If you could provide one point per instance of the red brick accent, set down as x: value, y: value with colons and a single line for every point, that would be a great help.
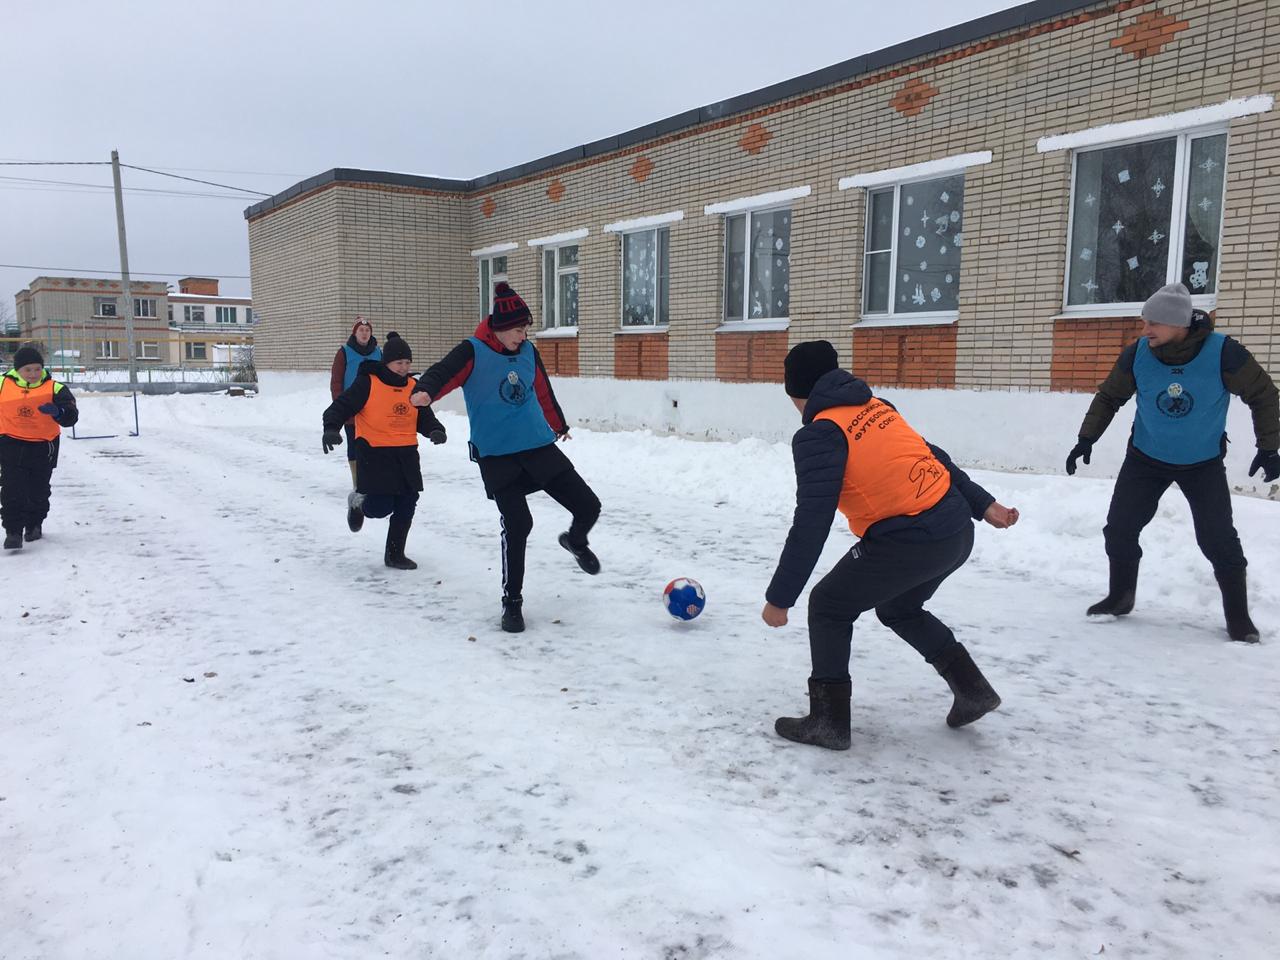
x: 559, y: 355
x: 489, y: 207
x: 923, y: 357
x: 200, y: 286
x: 755, y: 138
x: 1084, y: 351
x: 913, y: 97
x: 1062, y: 23
x: 751, y: 357
x: 641, y: 169
x: 555, y: 190
x: 1149, y: 34
x: 640, y: 356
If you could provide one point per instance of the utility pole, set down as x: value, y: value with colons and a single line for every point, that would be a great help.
x: 124, y: 273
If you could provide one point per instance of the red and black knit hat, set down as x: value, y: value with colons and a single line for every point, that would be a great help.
x: 361, y: 322
x: 509, y: 309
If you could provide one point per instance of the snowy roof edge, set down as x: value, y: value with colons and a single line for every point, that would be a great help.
x: 960, y: 34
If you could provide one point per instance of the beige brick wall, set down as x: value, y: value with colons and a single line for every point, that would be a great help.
x: 1001, y: 95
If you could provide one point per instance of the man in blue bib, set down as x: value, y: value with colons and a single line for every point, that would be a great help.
x: 1183, y: 374
x: 515, y: 423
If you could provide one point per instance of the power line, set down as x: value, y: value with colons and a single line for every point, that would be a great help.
x: 55, y: 163
x: 207, y: 183
x: 104, y: 186
x: 154, y: 273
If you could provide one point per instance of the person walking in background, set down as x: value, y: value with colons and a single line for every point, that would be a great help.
x: 386, y: 427
x: 33, y: 410
x: 913, y: 510
x: 515, y: 423
x: 361, y: 345
x: 1183, y: 374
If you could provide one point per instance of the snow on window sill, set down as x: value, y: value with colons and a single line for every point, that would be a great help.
x: 907, y: 320
x: 557, y: 332
x: 662, y: 329
x: 752, y: 326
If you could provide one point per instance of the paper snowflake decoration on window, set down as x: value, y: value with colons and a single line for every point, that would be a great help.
x: 1133, y: 263
x: 924, y: 220
x: 1206, y: 204
x: 1156, y: 236
x: 1090, y: 286
x: 1123, y: 176
x: 935, y: 294
x: 924, y: 264
x: 1158, y: 187
x: 1091, y: 199
x: 1086, y: 254
x: 946, y: 197
x: 1117, y: 227
x: 919, y: 243
x: 1208, y: 165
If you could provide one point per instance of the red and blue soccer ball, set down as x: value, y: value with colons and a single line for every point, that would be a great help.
x: 684, y: 598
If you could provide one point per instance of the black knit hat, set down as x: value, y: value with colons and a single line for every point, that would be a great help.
x: 805, y: 364
x: 27, y: 355
x: 395, y: 348
x: 509, y: 310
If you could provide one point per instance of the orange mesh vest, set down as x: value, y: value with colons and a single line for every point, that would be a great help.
x: 388, y: 419
x: 20, y: 416
x: 890, y: 471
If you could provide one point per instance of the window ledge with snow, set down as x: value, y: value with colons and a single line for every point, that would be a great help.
x: 1156, y: 126
x: 907, y: 320
x: 494, y: 249
x: 752, y: 326
x: 644, y: 223
x: 916, y: 171
x: 640, y: 328
x: 556, y: 332
x: 558, y: 238
x: 757, y: 202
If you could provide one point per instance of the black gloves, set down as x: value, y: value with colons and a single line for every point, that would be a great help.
x: 331, y: 439
x: 1080, y: 451
x: 437, y: 436
x: 1268, y: 461
x: 52, y: 409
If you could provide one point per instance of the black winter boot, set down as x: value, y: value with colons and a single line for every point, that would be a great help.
x: 34, y: 532
x: 512, y: 617
x: 394, y: 556
x: 827, y: 724
x: 1235, y: 605
x: 974, y: 697
x: 1119, y: 599
x: 355, y: 511
x: 13, y: 539
x: 586, y: 559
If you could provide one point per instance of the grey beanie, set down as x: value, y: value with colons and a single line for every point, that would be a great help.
x: 1169, y: 305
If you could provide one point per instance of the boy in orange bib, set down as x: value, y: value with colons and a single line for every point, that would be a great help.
x: 913, y: 510
x: 33, y: 410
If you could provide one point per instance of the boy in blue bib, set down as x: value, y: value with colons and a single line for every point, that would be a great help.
x: 1183, y: 375
x: 515, y: 423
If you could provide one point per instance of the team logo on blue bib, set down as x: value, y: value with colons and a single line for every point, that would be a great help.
x: 1174, y: 401
x: 513, y: 390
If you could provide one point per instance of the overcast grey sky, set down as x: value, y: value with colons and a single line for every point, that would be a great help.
x: 263, y: 94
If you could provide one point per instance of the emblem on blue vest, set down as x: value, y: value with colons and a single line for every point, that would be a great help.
x: 512, y: 389
x: 1174, y: 401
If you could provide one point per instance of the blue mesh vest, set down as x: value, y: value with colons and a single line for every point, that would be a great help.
x: 353, y: 363
x: 501, y: 404
x: 1182, y: 410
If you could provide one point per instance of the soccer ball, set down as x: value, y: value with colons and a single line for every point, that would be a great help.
x: 684, y: 598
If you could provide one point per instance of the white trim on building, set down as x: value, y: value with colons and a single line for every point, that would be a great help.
x: 916, y: 171
x: 1157, y: 126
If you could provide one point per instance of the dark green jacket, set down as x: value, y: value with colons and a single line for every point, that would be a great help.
x: 1241, y: 375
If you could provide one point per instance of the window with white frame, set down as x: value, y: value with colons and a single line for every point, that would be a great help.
x: 560, y: 286
x: 108, y: 350
x: 1146, y: 214
x: 493, y: 270
x: 757, y: 264
x: 148, y: 350
x: 193, y: 313
x: 224, y: 314
x: 104, y: 306
x: 196, y: 351
x: 913, y: 238
x: 144, y: 306
x: 646, y: 277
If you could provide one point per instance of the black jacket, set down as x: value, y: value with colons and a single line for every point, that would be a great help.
x: 821, y: 454
x: 387, y: 470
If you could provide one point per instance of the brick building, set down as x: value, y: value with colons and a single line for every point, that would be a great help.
x: 984, y: 207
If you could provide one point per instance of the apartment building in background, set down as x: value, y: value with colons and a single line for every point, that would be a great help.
x: 984, y: 207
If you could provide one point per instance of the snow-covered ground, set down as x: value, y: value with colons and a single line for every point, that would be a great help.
x: 227, y: 731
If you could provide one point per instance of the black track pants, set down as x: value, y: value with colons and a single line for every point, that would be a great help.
x: 894, y: 579
x: 1136, y: 497
x: 567, y: 489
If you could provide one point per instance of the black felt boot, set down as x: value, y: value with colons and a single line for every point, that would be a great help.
x: 13, y: 539
x: 1119, y: 599
x: 34, y: 532
x: 1235, y: 605
x: 355, y: 511
x: 974, y: 697
x: 512, y: 616
x: 394, y: 556
x: 827, y: 724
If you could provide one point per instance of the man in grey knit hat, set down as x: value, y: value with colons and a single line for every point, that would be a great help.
x: 1183, y: 374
